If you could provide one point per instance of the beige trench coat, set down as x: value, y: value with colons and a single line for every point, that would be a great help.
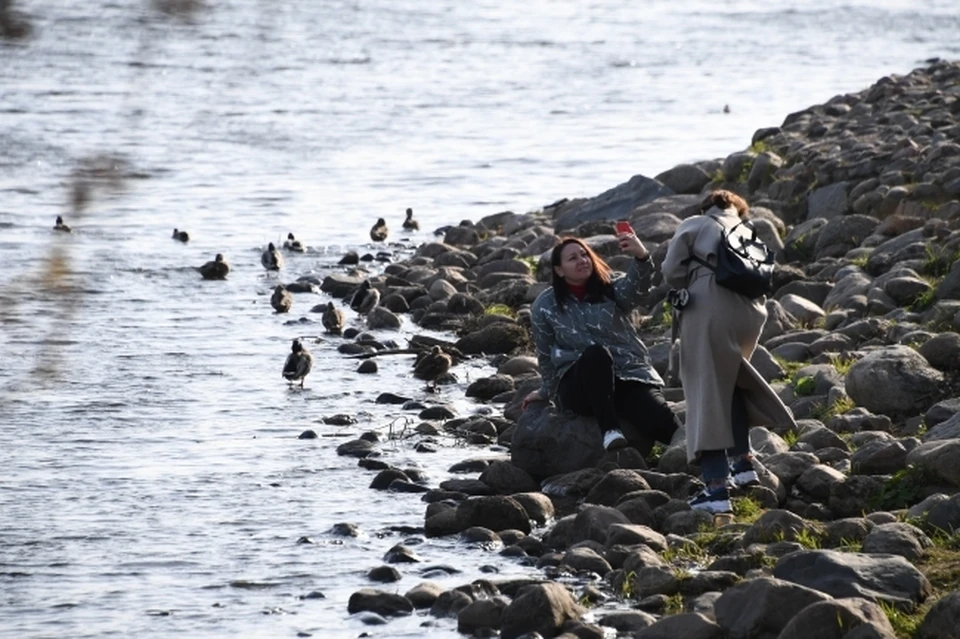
x: 719, y: 331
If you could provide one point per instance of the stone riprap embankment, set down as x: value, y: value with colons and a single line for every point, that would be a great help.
x: 854, y: 525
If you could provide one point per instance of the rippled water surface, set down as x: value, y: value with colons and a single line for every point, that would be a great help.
x: 151, y: 479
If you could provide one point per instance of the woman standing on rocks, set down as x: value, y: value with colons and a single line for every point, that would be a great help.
x: 591, y: 359
x: 719, y: 331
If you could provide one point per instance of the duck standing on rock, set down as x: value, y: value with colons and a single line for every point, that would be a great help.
x: 282, y: 299
x: 60, y: 226
x: 379, y: 231
x: 410, y: 224
x: 334, y: 320
x: 181, y: 236
x: 298, y: 364
x: 271, y: 259
x: 356, y: 298
x: 215, y: 270
x: 293, y: 244
x: 432, y: 365
x: 369, y: 302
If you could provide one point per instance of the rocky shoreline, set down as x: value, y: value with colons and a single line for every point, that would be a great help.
x: 852, y: 533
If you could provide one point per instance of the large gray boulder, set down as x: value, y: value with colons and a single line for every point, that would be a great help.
x: 841, y: 234
x: 496, y: 513
x: 614, y: 204
x: 942, y: 351
x: 690, y: 625
x: 760, y: 608
x: 542, y: 608
x: 845, y: 290
x: 887, y: 578
x: 501, y: 337
x: 942, y: 457
x: 943, y: 619
x: 829, y: 201
x: 684, y: 178
x: 549, y: 442
x: 893, y: 380
x: 949, y: 288
x: 840, y: 619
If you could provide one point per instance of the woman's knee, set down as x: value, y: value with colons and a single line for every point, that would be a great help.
x: 596, y: 356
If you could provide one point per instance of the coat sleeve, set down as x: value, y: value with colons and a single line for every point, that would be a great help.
x: 630, y: 289
x: 543, y: 339
x: 681, y: 247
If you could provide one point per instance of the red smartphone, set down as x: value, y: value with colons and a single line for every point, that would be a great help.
x: 624, y: 227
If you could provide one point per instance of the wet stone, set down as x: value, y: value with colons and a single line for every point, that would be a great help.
x: 384, y: 574
x: 437, y: 412
x: 308, y: 434
x: 391, y: 398
x: 339, y: 419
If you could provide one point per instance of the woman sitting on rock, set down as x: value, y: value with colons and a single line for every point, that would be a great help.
x: 591, y: 359
x: 719, y: 331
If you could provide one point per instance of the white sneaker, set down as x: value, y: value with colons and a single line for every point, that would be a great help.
x: 614, y: 439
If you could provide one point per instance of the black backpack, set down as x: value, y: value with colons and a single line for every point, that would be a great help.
x: 744, y: 263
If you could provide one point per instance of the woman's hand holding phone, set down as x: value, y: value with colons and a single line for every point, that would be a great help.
x: 629, y: 243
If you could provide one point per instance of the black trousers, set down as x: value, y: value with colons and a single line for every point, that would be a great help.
x: 591, y: 388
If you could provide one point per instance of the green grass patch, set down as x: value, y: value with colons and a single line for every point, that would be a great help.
x: 499, y: 309
x: 674, y: 605
x: 655, y: 454
x: 662, y: 317
x: 850, y: 545
x: 824, y: 412
x: 925, y: 300
x: 758, y: 147
x: 532, y: 261
x: 790, y: 437
x: 808, y: 539
x: 903, y: 489
x: 842, y: 364
x: 860, y: 261
x: 690, y: 553
x: 941, y: 566
x: 905, y: 624
x: 939, y: 261
x: 804, y: 386
x: 789, y: 368
x: 746, y: 510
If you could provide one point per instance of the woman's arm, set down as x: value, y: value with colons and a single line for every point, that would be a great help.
x: 628, y: 291
x: 543, y: 339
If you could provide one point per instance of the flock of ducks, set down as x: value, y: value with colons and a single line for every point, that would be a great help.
x: 429, y: 366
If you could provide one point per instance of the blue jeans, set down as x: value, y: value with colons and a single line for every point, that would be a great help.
x: 714, y: 466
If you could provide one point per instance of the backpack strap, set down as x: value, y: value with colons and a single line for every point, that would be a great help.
x: 694, y: 258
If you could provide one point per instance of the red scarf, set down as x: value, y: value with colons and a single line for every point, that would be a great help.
x: 578, y: 291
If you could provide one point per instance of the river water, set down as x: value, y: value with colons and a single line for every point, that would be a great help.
x: 151, y: 479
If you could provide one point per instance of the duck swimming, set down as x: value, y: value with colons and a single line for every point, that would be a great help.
x: 298, y: 364
x: 271, y: 259
x: 282, y: 299
x: 181, y: 236
x: 379, y: 231
x: 411, y: 224
x: 293, y: 244
x: 60, y: 226
x: 215, y: 270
